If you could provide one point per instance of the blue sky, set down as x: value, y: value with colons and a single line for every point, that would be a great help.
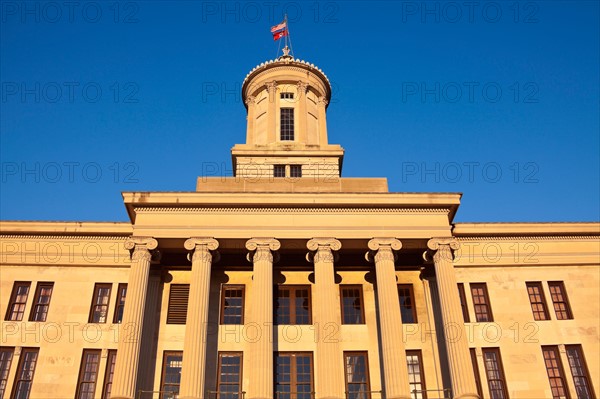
x: 498, y: 100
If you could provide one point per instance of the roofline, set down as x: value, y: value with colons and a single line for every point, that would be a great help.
x: 66, y: 228
x: 526, y: 229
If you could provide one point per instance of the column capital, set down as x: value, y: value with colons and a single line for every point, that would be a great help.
x: 194, y: 243
x: 271, y: 86
x: 250, y: 100
x: 318, y: 243
x: 134, y: 242
x: 378, y: 243
x: 302, y: 87
x: 435, y: 243
x: 323, y: 102
x: 258, y: 243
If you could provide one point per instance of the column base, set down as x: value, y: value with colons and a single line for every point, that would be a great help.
x: 120, y: 397
x: 468, y: 396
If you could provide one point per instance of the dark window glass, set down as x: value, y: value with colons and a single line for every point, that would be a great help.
x: 178, y: 303
x: 356, y: 366
x: 556, y: 375
x: 416, y: 377
x: 88, y: 374
x: 407, y: 303
x: 481, y: 302
x: 579, y: 370
x: 560, y: 301
x: 287, y: 124
x: 232, y: 304
x: 352, y: 304
x: 6, y: 355
x: 25, y: 372
x: 292, y: 304
x: 100, y: 301
x: 18, y: 300
x: 476, y: 372
x: 295, y: 170
x: 495, y: 373
x: 109, y: 373
x: 229, y: 381
x: 171, y: 374
x: 293, y: 376
x: 120, y: 307
x: 463, y: 302
x: 537, y: 300
x: 41, y: 302
x: 278, y: 170
x: 287, y: 96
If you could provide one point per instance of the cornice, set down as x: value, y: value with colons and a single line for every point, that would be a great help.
x: 62, y: 237
x: 436, y: 211
x: 528, y: 238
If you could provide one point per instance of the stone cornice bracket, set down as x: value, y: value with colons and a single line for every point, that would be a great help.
x: 142, y: 247
x: 271, y: 86
x: 250, y: 100
x: 262, y: 246
x: 443, y: 246
x: 322, y: 247
x: 203, y: 247
x: 323, y: 101
x: 302, y: 87
x: 383, y: 247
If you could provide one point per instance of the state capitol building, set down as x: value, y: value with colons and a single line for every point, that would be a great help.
x: 289, y: 281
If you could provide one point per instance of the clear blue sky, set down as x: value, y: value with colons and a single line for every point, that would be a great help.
x: 497, y: 100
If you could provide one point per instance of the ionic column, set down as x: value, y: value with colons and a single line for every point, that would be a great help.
x: 261, y: 349
x: 250, y: 120
x: 272, y: 112
x: 459, y: 358
x: 194, y: 344
x: 321, y: 106
x: 329, y: 371
x: 128, y: 350
x: 302, y: 113
x: 395, y: 370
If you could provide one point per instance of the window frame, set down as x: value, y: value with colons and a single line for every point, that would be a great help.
x: 36, y: 300
x: 20, y: 370
x: 565, y: 300
x: 13, y: 300
x: 120, y: 303
x: 361, y: 299
x: 294, y: 168
x: 487, y: 303
x: 225, y: 287
x: 559, y: 369
x: 584, y: 368
x: 288, y: 133
x: 5, y: 366
x: 109, y: 371
x: 286, y: 95
x: 411, y: 296
x: 83, y: 371
x: 240, y: 376
x: 500, y: 366
x: 462, y: 296
x: 163, y: 372
x: 95, y: 294
x: 418, y: 353
x: 292, y: 288
x: 277, y: 168
x: 294, y: 373
x: 365, y: 354
x: 542, y: 301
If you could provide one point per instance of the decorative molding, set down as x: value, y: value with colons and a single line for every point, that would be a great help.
x: 376, y: 243
x: 321, y: 243
x: 259, y: 243
x: 63, y: 237
x: 439, y: 242
x: 528, y: 238
x: 193, y: 244
x: 323, y: 100
x: 250, y: 100
x: 271, y: 86
x: 302, y: 87
x: 440, y: 211
x: 135, y: 242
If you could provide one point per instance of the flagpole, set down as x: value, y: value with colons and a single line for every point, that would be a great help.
x: 287, y: 26
x: 290, y: 36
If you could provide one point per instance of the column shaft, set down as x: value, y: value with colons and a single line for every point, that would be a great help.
x: 322, y: 122
x: 302, y: 113
x: 272, y: 112
x: 459, y: 359
x: 250, y: 120
x: 194, y: 345
x: 130, y: 333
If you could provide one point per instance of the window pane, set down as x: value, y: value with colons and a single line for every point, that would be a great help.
x: 18, y: 300
x: 555, y: 372
x: 481, y: 304
x: 579, y: 371
x: 278, y: 170
x: 559, y: 299
x: 352, y: 307
x: 171, y: 374
x: 495, y: 375
x: 25, y: 373
x: 229, y: 376
x: 287, y: 124
x: 407, y: 306
x: 415, y: 374
x: 232, y: 305
x: 357, y: 381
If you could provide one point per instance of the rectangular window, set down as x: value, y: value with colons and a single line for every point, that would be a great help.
x: 100, y: 301
x: 537, y: 300
x: 18, y: 300
x: 473, y: 354
x: 356, y: 367
x: 171, y: 375
x: 178, y: 303
x: 88, y: 374
x: 287, y: 124
x: 352, y: 304
x: 495, y: 373
x: 229, y: 377
x: 556, y: 374
x: 286, y: 96
x: 278, y: 170
x: 463, y: 302
x: 41, y: 302
x: 292, y: 304
x: 481, y: 302
x: 232, y: 304
x: 293, y: 375
x: 295, y: 170
x: 120, y: 306
x: 407, y: 303
x: 416, y: 377
x: 25, y: 372
x: 6, y: 355
x: 560, y: 301
x: 109, y: 373
x: 579, y: 370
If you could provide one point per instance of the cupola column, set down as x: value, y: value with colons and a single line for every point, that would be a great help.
x: 261, y: 317
x: 302, y: 113
x: 250, y: 120
x: 329, y: 372
x: 395, y: 370
x: 272, y: 112
x: 194, y: 344
x: 459, y: 359
x: 321, y: 106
